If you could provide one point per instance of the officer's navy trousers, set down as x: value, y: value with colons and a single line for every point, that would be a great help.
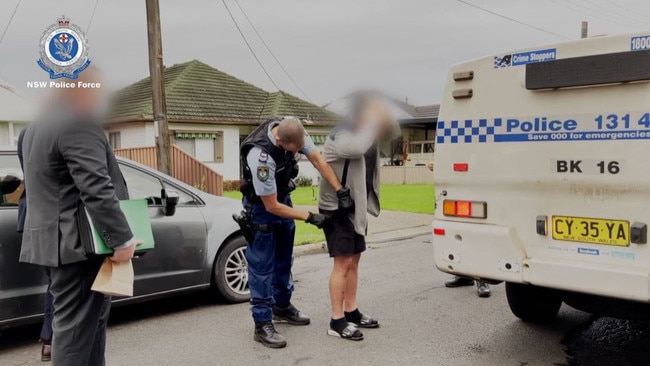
x: 269, y: 261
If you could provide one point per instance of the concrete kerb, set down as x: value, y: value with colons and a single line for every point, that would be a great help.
x: 377, y: 238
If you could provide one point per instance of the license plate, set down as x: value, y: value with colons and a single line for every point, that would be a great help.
x: 593, y: 231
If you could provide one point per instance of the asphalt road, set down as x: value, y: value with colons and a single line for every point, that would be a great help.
x: 423, y: 323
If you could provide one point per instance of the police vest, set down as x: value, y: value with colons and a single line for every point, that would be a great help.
x: 286, y: 166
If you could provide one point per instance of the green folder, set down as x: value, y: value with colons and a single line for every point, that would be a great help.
x: 137, y: 215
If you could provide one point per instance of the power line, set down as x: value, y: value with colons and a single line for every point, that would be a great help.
x: 271, y: 52
x: 584, y: 10
x: 92, y: 16
x: 605, y: 15
x: 249, y: 46
x: 10, y: 19
x: 622, y: 7
x: 609, y: 11
x: 513, y: 20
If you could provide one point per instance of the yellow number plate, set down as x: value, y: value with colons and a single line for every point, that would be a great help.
x: 593, y: 231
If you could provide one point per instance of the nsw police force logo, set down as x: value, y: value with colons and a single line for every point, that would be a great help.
x: 64, y: 50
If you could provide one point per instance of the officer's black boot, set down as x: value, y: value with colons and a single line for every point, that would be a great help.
x: 483, y: 289
x: 266, y: 334
x: 290, y: 314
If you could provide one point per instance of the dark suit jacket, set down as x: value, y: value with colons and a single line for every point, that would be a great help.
x: 68, y: 162
x: 22, y: 204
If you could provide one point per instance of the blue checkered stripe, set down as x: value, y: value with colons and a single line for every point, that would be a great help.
x: 467, y: 131
x: 501, y: 62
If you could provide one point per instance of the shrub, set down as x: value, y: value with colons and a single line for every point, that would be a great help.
x: 200, y: 186
x: 231, y: 185
x: 304, y: 181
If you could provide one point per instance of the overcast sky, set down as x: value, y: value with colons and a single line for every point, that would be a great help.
x: 330, y: 47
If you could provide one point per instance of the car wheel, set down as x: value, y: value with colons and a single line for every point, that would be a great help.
x: 531, y: 303
x: 230, y: 274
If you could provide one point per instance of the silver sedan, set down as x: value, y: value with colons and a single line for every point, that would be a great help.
x: 198, y: 245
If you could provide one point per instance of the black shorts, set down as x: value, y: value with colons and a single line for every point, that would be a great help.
x: 341, y: 237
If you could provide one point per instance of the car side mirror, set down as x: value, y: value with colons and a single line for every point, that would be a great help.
x: 169, y: 202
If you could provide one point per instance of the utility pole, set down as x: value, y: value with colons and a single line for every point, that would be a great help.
x: 584, y: 30
x: 163, y: 144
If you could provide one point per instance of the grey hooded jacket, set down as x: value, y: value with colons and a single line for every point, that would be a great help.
x: 342, y: 144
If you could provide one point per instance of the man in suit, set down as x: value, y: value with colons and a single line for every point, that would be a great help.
x: 48, y: 311
x: 69, y: 164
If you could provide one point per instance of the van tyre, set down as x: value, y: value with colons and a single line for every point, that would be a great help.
x: 531, y: 303
x: 230, y: 272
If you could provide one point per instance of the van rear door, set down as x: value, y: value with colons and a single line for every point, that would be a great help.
x: 554, y: 141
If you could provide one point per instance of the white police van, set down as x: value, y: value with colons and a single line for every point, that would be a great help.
x: 543, y: 176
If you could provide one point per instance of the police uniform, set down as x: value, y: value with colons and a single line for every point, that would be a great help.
x: 268, y: 169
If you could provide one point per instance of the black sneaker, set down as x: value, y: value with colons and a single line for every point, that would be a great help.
x: 459, y: 282
x: 290, y: 315
x: 266, y: 334
x: 361, y: 321
x: 350, y: 332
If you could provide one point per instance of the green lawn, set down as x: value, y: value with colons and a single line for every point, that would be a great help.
x: 307, y: 233
x: 395, y: 197
x: 306, y: 196
x: 408, y: 198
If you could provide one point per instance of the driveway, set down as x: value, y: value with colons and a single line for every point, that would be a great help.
x: 423, y: 323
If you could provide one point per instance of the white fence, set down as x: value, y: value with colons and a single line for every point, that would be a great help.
x: 406, y: 175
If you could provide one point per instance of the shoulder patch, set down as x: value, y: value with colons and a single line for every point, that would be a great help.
x: 264, y: 157
x: 263, y: 173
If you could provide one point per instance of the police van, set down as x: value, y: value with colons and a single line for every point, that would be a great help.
x: 543, y: 176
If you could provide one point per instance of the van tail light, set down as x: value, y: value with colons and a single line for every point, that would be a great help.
x: 470, y: 209
x: 461, y: 167
x: 437, y: 231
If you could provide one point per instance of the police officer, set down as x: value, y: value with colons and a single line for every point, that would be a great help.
x: 268, y: 158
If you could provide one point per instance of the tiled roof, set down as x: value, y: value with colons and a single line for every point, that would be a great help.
x: 425, y: 111
x: 283, y: 104
x: 196, y: 92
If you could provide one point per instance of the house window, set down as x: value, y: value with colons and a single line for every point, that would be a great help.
x: 319, y: 139
x: 187, y: 145
x: 207, y: 147
x: 115, y: 139
x: 13, y: 131
x: 5, y: 139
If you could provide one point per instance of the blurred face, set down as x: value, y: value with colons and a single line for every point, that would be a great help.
x: 376, y: 111
x: 384, y: 132
x: 87, y: 100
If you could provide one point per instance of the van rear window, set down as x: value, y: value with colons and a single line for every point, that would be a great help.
x: 608, y: 68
